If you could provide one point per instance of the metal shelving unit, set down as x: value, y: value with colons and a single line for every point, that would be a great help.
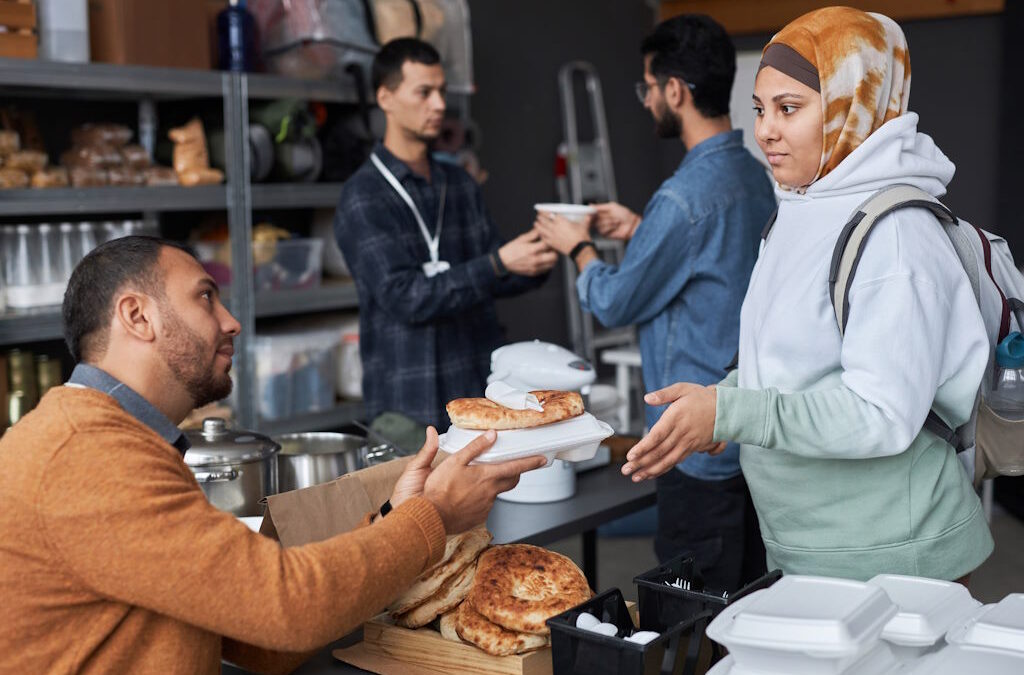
x: 238, y: 197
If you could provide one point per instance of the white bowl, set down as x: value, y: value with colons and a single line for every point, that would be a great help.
x: 574, y: 212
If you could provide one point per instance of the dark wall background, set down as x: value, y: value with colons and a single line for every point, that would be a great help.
x: 966, y: 87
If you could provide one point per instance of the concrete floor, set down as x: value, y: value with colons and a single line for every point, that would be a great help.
x: 622, y: 558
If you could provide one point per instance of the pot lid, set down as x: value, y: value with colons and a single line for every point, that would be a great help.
x: 216, y: 444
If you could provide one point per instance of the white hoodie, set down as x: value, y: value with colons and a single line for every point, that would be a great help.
x: 808, y: 401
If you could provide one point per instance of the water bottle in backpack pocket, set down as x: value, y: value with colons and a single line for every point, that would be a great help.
x: 1000, y: 434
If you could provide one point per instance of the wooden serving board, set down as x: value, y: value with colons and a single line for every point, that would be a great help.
x: 426, y: 648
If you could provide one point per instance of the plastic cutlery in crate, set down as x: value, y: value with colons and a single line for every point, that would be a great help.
x: 572, y: 440
x: 576, y: 650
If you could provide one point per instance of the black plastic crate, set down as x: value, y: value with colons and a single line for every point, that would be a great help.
x: 662, y: 604
x: 575, y: 651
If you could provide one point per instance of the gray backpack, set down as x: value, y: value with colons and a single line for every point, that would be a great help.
x: 998, y: 285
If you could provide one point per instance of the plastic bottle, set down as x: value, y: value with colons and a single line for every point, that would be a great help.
x: 236, y: 32
x: 1007, y: 397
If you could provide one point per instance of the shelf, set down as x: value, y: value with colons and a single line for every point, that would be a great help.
x: 76, y: 201
x: 326, y: 420
x: 295, y: 195
x: 30, y: 325
x: 262, y: 86
x: 82, y: 80
x: 332, y: 295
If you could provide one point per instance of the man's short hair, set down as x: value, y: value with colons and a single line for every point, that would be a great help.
x: 107, y: 269
x: 697, y: 49
x: 387, y: 64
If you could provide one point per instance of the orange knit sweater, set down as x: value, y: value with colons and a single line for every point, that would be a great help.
x: 113, y: 561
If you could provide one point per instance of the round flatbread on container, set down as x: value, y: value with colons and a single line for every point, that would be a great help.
x: 492, y: 638
x: 460, y: 551
x: 519, y: 587
x: 483, y: 414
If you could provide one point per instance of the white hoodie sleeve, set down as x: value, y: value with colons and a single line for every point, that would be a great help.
x: 914, y: 337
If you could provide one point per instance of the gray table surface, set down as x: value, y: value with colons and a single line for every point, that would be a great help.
x: 602, y: 495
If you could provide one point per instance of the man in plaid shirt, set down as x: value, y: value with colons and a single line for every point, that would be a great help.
x: 425, y: 255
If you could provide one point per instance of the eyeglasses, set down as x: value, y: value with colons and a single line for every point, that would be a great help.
x: 642, y: 88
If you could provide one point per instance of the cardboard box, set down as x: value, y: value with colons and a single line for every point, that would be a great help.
x: 146, y: 33
x: 18, y: 39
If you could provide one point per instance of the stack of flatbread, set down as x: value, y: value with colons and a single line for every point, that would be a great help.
x: 445, y: 585
x: 482, y: 413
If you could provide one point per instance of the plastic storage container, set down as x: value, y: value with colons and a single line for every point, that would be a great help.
x: 577, y: 651
x: 276, y: 265
x: 927, y: 609
x: 804, y: 625
x: 296, y: 371
x: 998, y: 626
x: 878, y: 661
x: 573, y: 440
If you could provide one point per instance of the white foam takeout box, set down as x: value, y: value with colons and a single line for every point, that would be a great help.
x: 927, y: 610
x: 997, y: 626
x: 575, y: 212
x: 572, y: 440
x: 960, y: 659
x: 806, y: 625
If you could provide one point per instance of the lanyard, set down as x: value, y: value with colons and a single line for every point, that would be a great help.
x: 433, y: 243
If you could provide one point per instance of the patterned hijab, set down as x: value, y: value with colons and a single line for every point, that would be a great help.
x: 858, y: 62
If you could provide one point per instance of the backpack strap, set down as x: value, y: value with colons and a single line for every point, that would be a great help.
x: 1004, y: 321
x: 850, y: 246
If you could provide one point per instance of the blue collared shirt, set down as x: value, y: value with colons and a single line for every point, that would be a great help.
x: 423, y: 341
x: 684, y: 275
x: 85, y: 375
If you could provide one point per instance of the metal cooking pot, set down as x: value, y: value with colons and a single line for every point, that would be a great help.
x: 236, y: 469
x: 313, y: 458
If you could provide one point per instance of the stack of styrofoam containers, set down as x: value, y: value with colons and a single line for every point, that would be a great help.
x: 806, y: 625
x: 927, y: 609
x: 989, y: 641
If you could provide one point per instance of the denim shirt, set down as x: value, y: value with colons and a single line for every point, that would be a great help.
x: 685, y: 273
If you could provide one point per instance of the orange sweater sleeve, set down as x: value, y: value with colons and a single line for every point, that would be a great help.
x: 126, y: 518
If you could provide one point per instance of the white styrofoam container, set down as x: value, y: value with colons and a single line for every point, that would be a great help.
x: 960, y: 659
x: 804, y: 625
x: 880, y: 660
x: 999, y: 626
x: 573, y: 440
x: 574, y: 212
x: 927, y: 609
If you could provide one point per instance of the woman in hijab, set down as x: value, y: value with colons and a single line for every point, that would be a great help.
x: 844, y: 480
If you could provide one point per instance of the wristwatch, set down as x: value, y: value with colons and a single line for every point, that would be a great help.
x: 578, y: 248
x: 385, y: 509
x: 500, y: 270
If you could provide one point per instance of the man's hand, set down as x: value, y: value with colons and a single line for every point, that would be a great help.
x: 410, y: 483
x: 615, y: 221
x: 559, y: 232
x: 687, y: 426
x: 464, y: 494
x: 527, y: 255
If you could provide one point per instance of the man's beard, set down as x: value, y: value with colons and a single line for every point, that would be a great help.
x: 182, y: 351
x: 667, y: 124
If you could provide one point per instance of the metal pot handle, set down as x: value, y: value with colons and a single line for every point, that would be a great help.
x: 216, y: 476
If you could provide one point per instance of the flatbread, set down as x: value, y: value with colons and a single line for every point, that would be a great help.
x: 464, y: 548
x: 453, y: 592
x: 447, y: 625
x: 482, y: 413
x: 519, y: 587
x: 492, y: 638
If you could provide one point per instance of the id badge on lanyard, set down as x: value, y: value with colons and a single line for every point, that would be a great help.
x: 435, y: 266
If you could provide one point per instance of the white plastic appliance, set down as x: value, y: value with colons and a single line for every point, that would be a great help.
x: 542, y: 365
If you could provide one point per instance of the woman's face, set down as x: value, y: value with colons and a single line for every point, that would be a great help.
x: 788, y: 127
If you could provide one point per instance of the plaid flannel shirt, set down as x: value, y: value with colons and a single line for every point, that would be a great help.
x: 423, y: 341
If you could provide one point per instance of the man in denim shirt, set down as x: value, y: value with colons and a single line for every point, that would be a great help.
x: 683, y: 279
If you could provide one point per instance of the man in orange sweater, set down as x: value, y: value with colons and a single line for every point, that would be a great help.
x: 111, y: 558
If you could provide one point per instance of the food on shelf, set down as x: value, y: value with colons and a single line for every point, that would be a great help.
x: 135, y: 157
x: 84, y: 176
x: 160, y: 176
x: 99, y: 156
x: 28, y: 161
x: 12, y: 179
x: 10, y: 142
x: 125, y: 176
x: 191, y: 157
x: 101, y: 134
x: 52, y: 177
